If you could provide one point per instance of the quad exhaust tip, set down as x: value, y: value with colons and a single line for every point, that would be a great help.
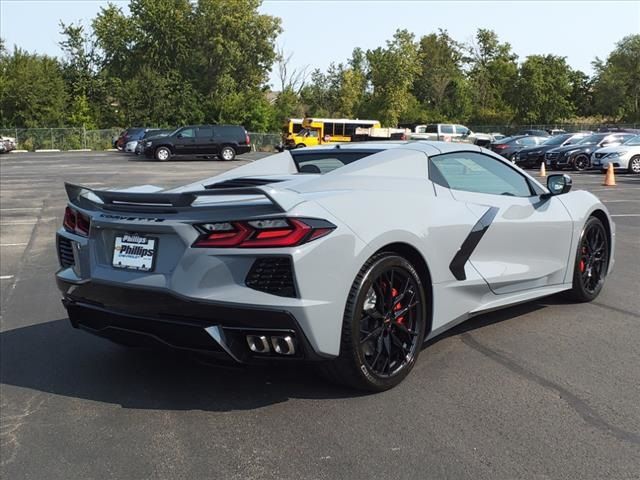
x: 281, y: 344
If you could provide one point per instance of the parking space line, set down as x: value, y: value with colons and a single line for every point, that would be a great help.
x: 627, y: 215
x: 6, y: 277
x: 18, y: 208
x: 18, y: 223
x: 12, y: 244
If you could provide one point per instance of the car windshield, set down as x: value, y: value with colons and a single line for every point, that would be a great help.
x: 557, y: 140
x: 592, y: 139
x: 633, y: 141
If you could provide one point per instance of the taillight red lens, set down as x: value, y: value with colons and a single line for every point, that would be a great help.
x: 69, y: 222
x: 500, y: 146
x: 272, y: 233
x: 247, y: 139
x: 76, y: 222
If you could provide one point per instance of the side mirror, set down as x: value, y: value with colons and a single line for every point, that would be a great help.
x: 559, y: 184
x: 179, y: 135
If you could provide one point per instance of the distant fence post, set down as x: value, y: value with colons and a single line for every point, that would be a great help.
x: 51, y: 131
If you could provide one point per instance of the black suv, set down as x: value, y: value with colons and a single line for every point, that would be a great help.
x: 222, y: 141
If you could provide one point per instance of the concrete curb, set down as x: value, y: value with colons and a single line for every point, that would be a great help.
x: 19, y: 151
x: 48, y: 150
x: 80, y: 150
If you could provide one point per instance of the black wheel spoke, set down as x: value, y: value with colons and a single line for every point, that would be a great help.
x: 371, y: 335
x: 403, y: 311
x: 390, y: 332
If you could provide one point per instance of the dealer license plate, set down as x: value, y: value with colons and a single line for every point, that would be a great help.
x: 134, y: 252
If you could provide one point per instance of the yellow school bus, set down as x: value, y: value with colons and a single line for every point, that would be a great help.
x: 291, y: 126
x: 316, y: 131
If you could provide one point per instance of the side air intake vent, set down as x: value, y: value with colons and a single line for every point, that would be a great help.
x: 272, y: 275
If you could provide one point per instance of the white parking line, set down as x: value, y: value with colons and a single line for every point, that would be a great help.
x: 6, y: 277
x: 18, y: 223
x: 619, y: 201
x: 18, y: 208
x: 12, y: 244
x: 612, y: 189
x: 627, y: 215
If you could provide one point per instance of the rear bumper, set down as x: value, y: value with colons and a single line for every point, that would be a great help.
x: 147, y: 317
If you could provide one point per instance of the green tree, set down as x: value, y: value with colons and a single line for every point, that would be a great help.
x: 617, y: 81
x: 544, y: 90
x: 493, y: 73
x: 81, y: 73
x: 581, y: 93
x: 216, y: 52
x: 352, y: 88
x: 33, y: 91
x: 441, y: 84
x: 392, y: 73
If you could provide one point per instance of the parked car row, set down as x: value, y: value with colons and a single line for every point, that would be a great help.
x: 209, y: 141
x: 575, y: 151
x: 7, y: 144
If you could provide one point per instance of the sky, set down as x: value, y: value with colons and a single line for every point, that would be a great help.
x: 320, y: 32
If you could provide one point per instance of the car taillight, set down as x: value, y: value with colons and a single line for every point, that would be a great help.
x: 246, y: 138
x: 500, y: 146
x: 76, y: 222
x: 267, y: 233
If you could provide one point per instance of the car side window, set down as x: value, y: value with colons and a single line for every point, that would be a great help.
x: 446, y: 128
x: 528, y: 141
x: 188, y: 133
x: 476, y: 172
x: 205, y: 132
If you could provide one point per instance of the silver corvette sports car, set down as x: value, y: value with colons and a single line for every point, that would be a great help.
x: 350, y: 256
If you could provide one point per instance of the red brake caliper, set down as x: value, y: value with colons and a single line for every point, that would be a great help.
x: 582, y: 266
x: 394, y: 294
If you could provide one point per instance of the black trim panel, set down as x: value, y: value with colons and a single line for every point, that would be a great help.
x: 141, y: 316
x: 470, y: 243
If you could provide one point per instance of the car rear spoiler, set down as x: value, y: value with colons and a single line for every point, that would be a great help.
x: 283, y: 200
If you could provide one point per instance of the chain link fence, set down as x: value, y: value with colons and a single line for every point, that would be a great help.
x: 79, y: 138
x: 61, y: 138
x: 264, y: 142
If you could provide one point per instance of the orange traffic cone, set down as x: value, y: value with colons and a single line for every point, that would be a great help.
x: 543, y: 170
x: 610, y: 178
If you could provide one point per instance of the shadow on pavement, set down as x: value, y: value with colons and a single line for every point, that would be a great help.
x: 55, y: 358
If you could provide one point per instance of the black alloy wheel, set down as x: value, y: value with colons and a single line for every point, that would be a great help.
x: 384, y: 325
x: 592, y: 261
x: 581, y: 162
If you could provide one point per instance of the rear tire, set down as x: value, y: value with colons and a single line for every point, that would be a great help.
x: 162, y: 154
x: 301, y: 145
x: 591, y: 262
x: 383, y: 327
x: 634, y: 164
x: 227, y: 153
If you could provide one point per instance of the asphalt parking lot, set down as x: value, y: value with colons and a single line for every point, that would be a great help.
x: 543, y: 390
